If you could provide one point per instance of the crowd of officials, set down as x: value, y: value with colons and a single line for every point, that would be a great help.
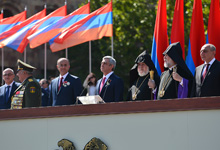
x: 145, y: 84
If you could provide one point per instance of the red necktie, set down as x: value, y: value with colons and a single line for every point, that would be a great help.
x: 61, y: 82
x: 102, y: 84
x: 205, y: 72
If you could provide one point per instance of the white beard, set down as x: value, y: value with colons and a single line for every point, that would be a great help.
x: 141, y: 74
x: 165, y: 65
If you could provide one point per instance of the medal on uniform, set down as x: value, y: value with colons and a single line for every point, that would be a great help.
x: 161, y: 93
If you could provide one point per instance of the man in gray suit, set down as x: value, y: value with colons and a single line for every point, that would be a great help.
x: 207, y: 76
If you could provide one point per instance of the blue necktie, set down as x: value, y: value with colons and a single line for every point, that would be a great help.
x: 7, y: 93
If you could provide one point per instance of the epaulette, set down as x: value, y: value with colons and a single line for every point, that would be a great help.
x: 30, y: 80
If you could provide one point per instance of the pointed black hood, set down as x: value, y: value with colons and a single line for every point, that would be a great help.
x: 174, y: 51
x: 145, y: 58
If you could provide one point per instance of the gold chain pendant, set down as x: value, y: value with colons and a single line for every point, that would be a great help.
x: 134, y: 96
x: 161, y: 93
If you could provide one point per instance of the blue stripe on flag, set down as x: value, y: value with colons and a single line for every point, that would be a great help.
x: 154, y: 56
x: 189, y: 60
x: 96, y: 22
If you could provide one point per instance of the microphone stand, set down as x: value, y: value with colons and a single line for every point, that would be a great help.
x: 77, y: 99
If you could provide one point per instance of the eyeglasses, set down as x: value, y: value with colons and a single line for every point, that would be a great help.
x: 9, y: 74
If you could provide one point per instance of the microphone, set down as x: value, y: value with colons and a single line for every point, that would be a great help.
x: 88, y: 84
x: 77, y: 99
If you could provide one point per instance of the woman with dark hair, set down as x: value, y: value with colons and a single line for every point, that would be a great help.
x: 90, y: 84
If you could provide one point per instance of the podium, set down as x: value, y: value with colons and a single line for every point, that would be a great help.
x: 94, y: 99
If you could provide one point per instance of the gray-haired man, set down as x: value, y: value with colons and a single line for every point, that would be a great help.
x: 110, y: 87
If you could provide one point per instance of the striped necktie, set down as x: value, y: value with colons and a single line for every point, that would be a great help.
x: 205, y: 72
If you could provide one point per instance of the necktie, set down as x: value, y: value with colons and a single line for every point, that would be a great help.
x: 102, y: 84
x: 205, y: 72
x: 7, y: 93
x: 61, y: 82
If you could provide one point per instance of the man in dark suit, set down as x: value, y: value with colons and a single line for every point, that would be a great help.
x: 207, y: 76
x: 110, y: 87
x: 7, y: 90
x: 65, y: 88
x: 45, y: 92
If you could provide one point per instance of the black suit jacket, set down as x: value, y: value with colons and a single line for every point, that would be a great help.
x: 70, y: 89
x: 44, y: 96
x: 113, y: 89
x: 210, y: 85
x: 3, y: 103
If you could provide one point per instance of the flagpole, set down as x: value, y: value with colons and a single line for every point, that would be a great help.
x: 65, y: 3
x: 25, y: 55
x: 112, y: 47
x: 25, y: 8
x: 90, y: 57
x: 66, y: 53
x: 90, y: 53
x: 2, y: 54
x: 2, y: 62
x: 45, y: 60
x: 112, y: 42
x: 45, y: 54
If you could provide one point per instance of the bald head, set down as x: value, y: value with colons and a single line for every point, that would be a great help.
x: 207, y: 52
x: 63, y: 66
x: 8, y: 75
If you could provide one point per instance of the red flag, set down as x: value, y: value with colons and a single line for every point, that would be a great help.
x: 93, y: 27
x: 214, y: 26
x: 177, y: 31
x: 8, y: 23
x: 196, y: 38
x: 18, y: 41
x: 49, y: 19
x: 51, y: 31
x: 160, y: 39
x: 1, y: 16
x: 16, y: 28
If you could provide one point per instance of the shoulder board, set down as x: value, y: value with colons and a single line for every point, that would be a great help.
x: 75, y: 77
x: 30, y: 80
